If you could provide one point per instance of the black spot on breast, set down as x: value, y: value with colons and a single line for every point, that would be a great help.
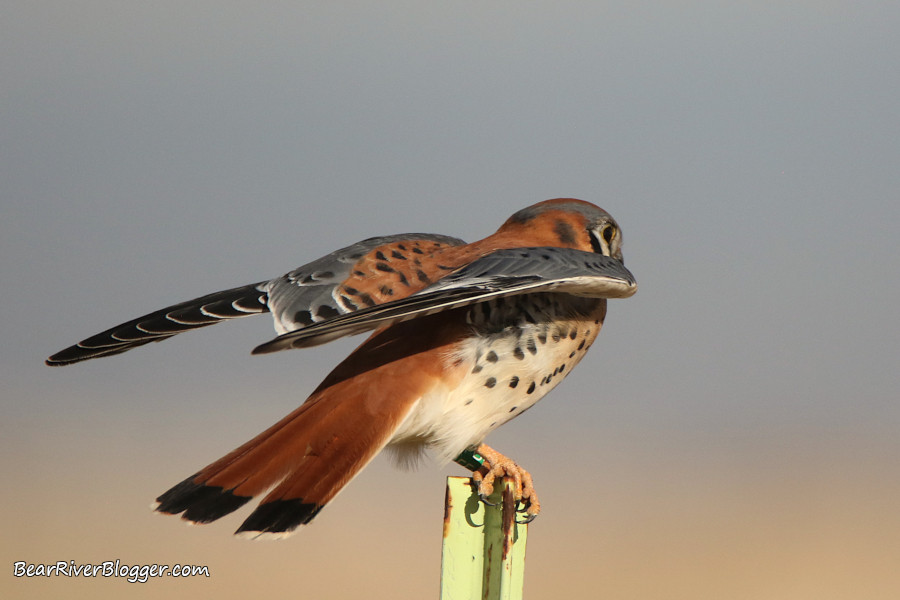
x: 422, y: 276
x: 531, y: 347
x: 556, y: 370
x: 513, y: 409
x: 572, y: 354
x: 542, y: 337
x: 304, y: 317
x: 564, y: 232
x: 491, y: 357
x: 531, y: 388
x: 573, y: 334
x: 513, y: 382
x: 556, y: 337
x: 396, y: 254
x: 384, y: 267
x: 491, y: 382
x: 562, y: 367
x: 386, y: 290
x: 581, y: 345
x: 518, y: 353
x: 380, y: 255
x: 477, y: 369
x: 494, y: 423
x: 468, y: 402
x: 327, y: 312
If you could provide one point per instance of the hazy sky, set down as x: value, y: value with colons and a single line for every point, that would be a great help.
x: 734, y: 431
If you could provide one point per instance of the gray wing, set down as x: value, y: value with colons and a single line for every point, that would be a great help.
x: 308, y: 295
x: 501, y: 273
x: 308, y: 290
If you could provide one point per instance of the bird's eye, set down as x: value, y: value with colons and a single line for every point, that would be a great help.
x: 608, y: 233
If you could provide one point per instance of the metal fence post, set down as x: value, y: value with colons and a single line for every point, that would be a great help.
x: 484, y: 547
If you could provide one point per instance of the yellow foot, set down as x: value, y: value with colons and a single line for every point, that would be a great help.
x: 497, y: 465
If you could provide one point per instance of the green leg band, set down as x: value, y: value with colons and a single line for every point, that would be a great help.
x: 470, y: 460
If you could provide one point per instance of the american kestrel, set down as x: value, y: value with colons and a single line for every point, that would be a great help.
x: 466, y: 337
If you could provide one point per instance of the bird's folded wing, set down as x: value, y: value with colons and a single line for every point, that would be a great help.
x: 307, y: 290
x: 501, y: 273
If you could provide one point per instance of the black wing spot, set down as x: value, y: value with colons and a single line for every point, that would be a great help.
x: 396, y: 254
x: 384, y: 267
x: 304, y: 317
x: 403, y: 279
x: 366, y: 299
x: 387, y: 291
x: 422, y: 276
x: 350, y: 290
x: 401, y: 246
x: 417, y: 250
x: 380, y: 255
x: 327, y: 312
x: 348, y: 303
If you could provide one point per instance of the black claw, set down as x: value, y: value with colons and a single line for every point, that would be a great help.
x: 485, y: 500
x: 528, y: 520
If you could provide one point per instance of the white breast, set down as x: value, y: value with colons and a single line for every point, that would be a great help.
x: 520, y: 349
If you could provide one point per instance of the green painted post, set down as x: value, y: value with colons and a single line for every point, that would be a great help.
x: 484, y: 547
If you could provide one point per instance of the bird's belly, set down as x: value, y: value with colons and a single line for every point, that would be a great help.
x: 519, y: 348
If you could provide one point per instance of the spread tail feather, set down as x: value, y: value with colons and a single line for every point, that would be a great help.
x: 312, y: 454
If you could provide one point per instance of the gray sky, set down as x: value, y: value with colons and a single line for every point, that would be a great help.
x: 154, y: 152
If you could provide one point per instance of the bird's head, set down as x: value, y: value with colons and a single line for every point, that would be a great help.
x: 567, y: 223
